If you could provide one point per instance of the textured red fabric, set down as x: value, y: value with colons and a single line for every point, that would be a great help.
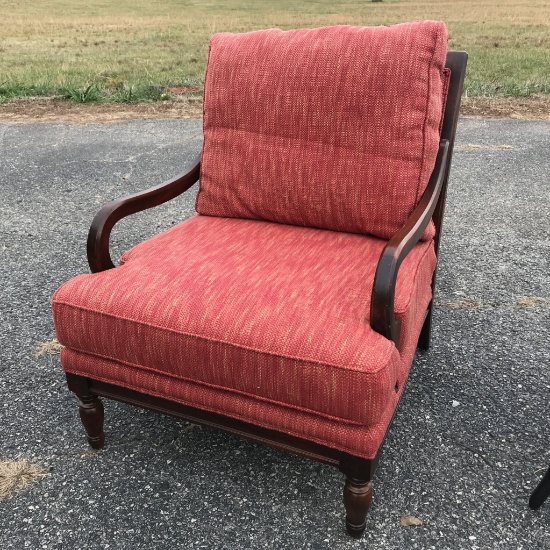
x: 336, y: 128
x: 362, y: 441
x: 276, y: 313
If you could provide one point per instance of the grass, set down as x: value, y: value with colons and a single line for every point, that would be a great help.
x: 131, y: 50
x: 49, y: 347
x: 15, y: 474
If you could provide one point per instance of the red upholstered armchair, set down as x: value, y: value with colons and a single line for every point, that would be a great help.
x: 289, y: 309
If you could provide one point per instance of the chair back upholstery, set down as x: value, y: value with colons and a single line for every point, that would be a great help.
x: 336, y: 128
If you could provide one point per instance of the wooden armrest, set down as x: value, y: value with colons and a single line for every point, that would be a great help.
x: 382, y: 315
x: 104, y: 221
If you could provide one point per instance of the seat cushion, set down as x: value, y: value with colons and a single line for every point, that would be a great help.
x: 277, y: 313
x: 335, y: 128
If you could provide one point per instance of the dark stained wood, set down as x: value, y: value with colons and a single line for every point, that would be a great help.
x: 91, y: 414
x: 456, y: 62
x: 431, y: 206
x: 99, y: 257
x: 357, y: 467
x: 357, y: 490
x: 90, y: 408
x: 357, y: 501
x: 541, y: 492
x: 382, y: 316
x: 359, y: 472
x: 426, y: 332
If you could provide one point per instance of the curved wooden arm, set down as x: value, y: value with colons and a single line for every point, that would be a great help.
x: 104, y: 221
x: 382, y: 315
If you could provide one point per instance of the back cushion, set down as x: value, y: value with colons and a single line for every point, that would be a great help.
x: 336, y: 128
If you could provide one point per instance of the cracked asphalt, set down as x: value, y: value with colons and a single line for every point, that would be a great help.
x: 471, y: 437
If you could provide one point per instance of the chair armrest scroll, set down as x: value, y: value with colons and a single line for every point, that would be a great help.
x: 99, y: 258
x: 382, y: 315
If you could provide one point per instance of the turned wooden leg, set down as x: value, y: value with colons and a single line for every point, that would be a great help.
x: 91, y: 409
x: 357, y: 490
x: 357, y: 499
x: 91, y: 414
x: 426, y: 332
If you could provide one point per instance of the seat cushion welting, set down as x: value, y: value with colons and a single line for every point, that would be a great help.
x: 335, y: 128
x: 261, y: 321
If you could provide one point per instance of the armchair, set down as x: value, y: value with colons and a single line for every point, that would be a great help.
x: 289, y: 309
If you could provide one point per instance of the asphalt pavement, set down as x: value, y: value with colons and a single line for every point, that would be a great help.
x: 469, y: 442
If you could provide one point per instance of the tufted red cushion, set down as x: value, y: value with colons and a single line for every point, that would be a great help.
x: 272, y: 313
x: 336, y: 128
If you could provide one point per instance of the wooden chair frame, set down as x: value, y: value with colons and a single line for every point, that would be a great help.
x: 358, y: 471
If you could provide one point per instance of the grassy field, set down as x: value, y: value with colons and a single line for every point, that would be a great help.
x: 129, y: 50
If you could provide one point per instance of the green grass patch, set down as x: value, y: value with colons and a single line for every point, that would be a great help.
x: 132, y: 50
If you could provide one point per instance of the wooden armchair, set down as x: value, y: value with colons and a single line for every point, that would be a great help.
x: 288, y: 311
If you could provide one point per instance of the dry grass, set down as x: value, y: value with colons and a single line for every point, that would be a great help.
x: 535, y: 107
x: 520, y: 302
x: 52, y: 108
x: 17, y: 474
x: 530, y: 301
x: 57, y: 46
x: 50, y: 347
x: 466, y: 303
x: 49, y: 109
x: 477, y: 147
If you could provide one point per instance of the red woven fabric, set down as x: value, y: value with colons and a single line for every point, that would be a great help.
x: 355, y: 439
x: 336, y: 128
x: 273, y: 313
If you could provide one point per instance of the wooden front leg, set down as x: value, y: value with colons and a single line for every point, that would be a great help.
x: 91, y: 414
x: 357, y: 500
x: 90, y: 408
x: 357, y: 491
